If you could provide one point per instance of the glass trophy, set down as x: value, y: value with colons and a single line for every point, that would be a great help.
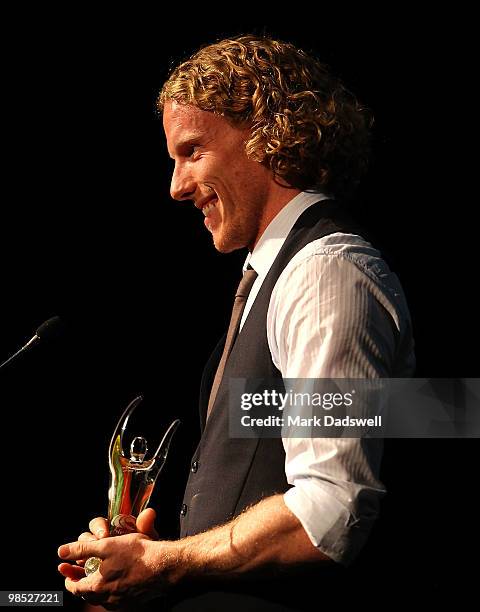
x: 132, y: 478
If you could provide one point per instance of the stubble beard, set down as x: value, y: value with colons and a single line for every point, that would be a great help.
x: 241, y: 232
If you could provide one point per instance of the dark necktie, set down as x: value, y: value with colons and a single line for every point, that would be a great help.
x: 241, y: 296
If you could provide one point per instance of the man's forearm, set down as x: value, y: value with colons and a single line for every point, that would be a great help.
x: 266, y: 535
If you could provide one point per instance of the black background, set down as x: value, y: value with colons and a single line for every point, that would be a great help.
x: 90, y: 233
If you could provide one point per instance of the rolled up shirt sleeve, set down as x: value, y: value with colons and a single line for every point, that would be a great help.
x: 335, y: 494
x: 337, y: 312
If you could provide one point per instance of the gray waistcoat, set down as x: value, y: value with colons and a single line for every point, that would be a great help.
x: 228, y: 474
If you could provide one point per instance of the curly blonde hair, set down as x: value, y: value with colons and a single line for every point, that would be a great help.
x: 305, y: 125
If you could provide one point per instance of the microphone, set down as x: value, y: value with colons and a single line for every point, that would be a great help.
x: 48, y: 329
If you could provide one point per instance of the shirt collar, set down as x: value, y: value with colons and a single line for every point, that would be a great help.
x: 272, y: 239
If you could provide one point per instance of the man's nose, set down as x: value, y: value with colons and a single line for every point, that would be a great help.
x: 182, y: 186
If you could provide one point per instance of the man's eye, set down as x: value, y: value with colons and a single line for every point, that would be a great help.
x: 193, y: 150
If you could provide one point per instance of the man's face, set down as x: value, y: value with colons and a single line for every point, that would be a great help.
x: 212, y: 170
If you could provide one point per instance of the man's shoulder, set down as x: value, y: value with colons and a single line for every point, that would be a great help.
x: 346, y: 250
x: 342, y: 263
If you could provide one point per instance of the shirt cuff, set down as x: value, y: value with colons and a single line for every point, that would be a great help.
x: 329, y: 524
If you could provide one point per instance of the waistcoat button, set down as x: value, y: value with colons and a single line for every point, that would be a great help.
x: 184, y: 509
x: 194, y: 467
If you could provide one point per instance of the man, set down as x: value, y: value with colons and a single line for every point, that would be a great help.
x: 268, y: 144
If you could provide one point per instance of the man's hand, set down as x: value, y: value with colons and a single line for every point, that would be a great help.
x: 99, y: 529
x: 128, y: 565
x: 134, y: 568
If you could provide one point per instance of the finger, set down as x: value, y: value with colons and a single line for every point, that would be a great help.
x: 71, y: 571
x: 146, y: 523
x: 70, y: 585
x: 82, y: 587
x: 99, y: 527
x: 79, y: 550
x: 86, y: 536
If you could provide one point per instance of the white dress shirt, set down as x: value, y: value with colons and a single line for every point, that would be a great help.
x: 336, y: 311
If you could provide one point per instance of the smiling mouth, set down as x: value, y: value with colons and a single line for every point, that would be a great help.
x: 209, y: 206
